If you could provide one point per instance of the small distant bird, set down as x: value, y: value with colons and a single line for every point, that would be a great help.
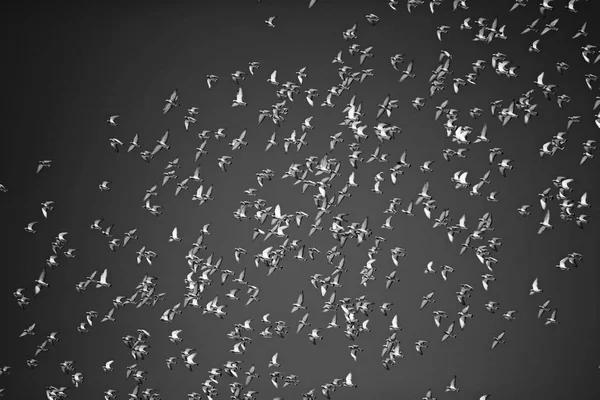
x: 407, y: 73
x: 535, y: 287
x: 104, y: 186
x: 112, y: 120
x: 29, y: 331
x: 581, y: 31
x: 47, y: 206
x: 171, y: 102
x: 552, y: 318
x: 372, y: 19
x: 269, y: 21
x: 43, y: 164
x: 174, y: 237
x: 442, y: 30
x: 29, y: 227
x: 115, y: 143
x: 107, y: 367
x: 134, y: 143
x: 498, y: 340
x: 545, y: 224
x: 210, y: 79
x: 239, y: 99
x: 452, y: 386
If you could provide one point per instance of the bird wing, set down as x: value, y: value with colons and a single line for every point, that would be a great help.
x: 349, y: 378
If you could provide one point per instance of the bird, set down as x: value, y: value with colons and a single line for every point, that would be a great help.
x: 535, y: 287
x: 498, y: 340
x: 299, y: 303
x: 270, y: 21
x: 210, y: 79
x: 40, y: 283
x: 427, y: 299
x: 29, y: 331
x: 43, y: 164
x: 107, y: 367
x: 552, y: 318
x: 102, y: 282
x: 452, y: 386
x: 348, y: 381
x: 314, y: 336
x: 112, y: 120
x: 273, y: 362
x: 104, y: 186
x: 115, y: 143
x: 303, y: 322
x: 171, y: 102
x: 442, y: 29
x: 161, y: 144
x: 582, y: 31
x: 448, y: 332
x: 253, y: 66
x: 407, y: 73
x: 239, y: 99
x: 545, y: 224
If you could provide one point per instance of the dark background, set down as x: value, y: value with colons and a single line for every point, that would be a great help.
x: 71, y: 67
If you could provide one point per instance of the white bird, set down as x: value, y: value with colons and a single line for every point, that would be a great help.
x: 270, y: 21
x: 426, y: 167
x: 239, y: 99
x: 112, y: 120
x: 552, y: 318
x: 314, y: 335
x: 452, y: 386
x: 102, y: 282
x: 300, y: 74
x: 174, y: 237
x: 40, y: 283
x: 394, y: 324
x: 299, y: 303
x: 387, y: 224
x: 108, y: 366
x: 273, y: 78
x: 348, y: 381
x: 161, y: 144
x: 189, y: 360
x: 29, y: 227
x: 583, y: 201
x: 174, y: 337
x: 28, y: 331
x: 545, y: 224
x: 535, y: 288
x: 273, y: 362
x: 171, y: 102
x: 482, y: 136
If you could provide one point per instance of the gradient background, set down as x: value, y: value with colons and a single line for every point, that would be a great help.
x: 72, y: 67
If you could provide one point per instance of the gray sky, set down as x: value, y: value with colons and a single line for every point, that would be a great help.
x: 74, y: 67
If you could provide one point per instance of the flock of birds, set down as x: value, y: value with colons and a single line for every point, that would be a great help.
x: 317, y: 174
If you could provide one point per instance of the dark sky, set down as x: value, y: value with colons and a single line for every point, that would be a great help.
x: 73, y: 67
